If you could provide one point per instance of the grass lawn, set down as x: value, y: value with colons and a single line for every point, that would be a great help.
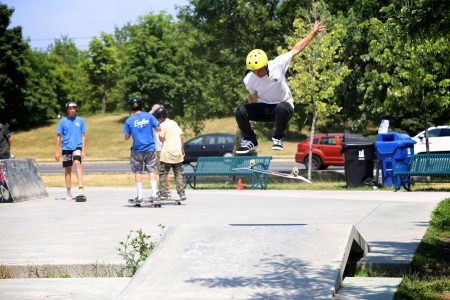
x: 104, y: 139
x: 430, y: 274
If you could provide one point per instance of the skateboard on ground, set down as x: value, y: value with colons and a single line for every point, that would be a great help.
x: 153, y: 202
x: 80, y: 198
x: 293, y: 175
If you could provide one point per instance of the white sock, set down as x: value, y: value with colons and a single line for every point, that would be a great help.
x: 153, y: 185
x: 139, y: 189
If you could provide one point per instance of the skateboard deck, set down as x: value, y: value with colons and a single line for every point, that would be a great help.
x: 80, y: 199
x: 153, y: 203
x: 292, y: 175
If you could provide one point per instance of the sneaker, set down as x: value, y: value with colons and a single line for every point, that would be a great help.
x: 69, y: 197
x: 80, y: 191
x: 183, y: 198
x: 247, y: 147
x: 277, y: 144
x: 163, y: 196
x: 138, y: 200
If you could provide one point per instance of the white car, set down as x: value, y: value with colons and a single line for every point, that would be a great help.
x: 438, y: 139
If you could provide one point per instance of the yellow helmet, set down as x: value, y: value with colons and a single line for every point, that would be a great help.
x: 256, y: 59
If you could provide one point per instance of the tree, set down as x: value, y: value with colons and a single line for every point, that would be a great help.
x: 407, y: 79
x: 162, y: 64
x: 232, y: 29
x: 69, y: 80
x: 101, y: 64
x: 317, y: 69
x: 13, y: 53
x: 26, y: 97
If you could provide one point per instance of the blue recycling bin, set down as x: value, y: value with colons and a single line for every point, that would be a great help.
x: 393, y: 148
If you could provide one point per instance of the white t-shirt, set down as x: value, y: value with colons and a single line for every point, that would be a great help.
x: 158, y: 144
x: 171, y: 151
x: 273, y: 89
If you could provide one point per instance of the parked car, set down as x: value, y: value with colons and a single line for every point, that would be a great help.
x: 438, y: 139
x: 216, y: 144
x: 326, y: 151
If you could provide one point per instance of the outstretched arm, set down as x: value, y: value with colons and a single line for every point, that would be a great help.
x: 300, y: 45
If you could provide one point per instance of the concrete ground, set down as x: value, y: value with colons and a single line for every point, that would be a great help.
x: 56, y: 232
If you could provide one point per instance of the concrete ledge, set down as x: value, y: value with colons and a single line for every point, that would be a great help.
x: 61, y: 288
x: 20, y: 180
x: 246, y: 261
x: 368, y: 288
x: 62, y: 271
x: 355, y: 245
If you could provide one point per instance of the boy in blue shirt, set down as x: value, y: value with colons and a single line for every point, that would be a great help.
x: 140, y: 126
x: 70, y: 133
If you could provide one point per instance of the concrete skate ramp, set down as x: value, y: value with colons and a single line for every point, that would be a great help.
x: 248, y: 261
x: 20, y: 180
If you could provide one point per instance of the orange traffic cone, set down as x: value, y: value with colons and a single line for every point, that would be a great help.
x: 239, y: 185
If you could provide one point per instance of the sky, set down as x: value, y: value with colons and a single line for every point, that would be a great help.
x: 44, y: 20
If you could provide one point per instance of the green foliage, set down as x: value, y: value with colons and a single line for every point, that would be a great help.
x: 317, y: 70
x: 101, y: 65
x: 430, y: 272
x: 161, y: 65
x: 407, y: 80
x: 136, y: 250
x: 65, y: 74
x: 26, y: 96
x: 378, y: 59
x: 441, y: 216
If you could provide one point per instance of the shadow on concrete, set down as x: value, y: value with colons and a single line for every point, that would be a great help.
x: 292, y: 276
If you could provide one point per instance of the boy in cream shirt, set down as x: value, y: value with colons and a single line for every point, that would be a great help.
x: 172, y: 154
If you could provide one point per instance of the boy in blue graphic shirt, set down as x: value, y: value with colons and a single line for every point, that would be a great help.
x: 70, y: 133
x: 143, y: 155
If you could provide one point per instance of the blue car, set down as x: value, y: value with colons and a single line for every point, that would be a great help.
x: 215, y: 144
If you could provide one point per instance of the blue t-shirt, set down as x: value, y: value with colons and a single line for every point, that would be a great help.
x: 140, y: 127
x: 71, y: 131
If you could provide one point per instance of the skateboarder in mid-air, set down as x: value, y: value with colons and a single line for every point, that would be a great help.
x: 172, y: 154
x: 70, y: 133
x: 269, y: 99
x: 140, y: 126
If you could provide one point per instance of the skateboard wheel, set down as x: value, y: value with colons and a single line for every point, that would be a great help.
x: 137, y: 205
x: 295, y: 171
x: 178, y: 202
x: 252, y: 163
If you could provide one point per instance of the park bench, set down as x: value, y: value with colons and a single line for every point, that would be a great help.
x: 433, y: 165
x: 224, y: 166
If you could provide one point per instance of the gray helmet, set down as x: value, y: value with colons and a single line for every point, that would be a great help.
x: 71, y: 103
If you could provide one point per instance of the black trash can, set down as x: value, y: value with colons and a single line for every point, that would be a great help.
x: 359, y: 155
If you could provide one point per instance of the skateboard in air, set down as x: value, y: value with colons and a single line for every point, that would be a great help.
x: 293, y: 175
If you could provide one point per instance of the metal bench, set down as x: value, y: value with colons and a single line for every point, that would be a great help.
x: 433, y: 165
x: 223, y: 166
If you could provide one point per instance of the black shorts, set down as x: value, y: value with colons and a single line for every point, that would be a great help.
x: 69, y: 156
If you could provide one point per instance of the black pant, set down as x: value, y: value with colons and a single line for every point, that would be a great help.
x: 279, y: 113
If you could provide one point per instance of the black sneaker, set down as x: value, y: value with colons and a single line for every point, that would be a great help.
x: 247, y: 147
x: 277, y: 144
